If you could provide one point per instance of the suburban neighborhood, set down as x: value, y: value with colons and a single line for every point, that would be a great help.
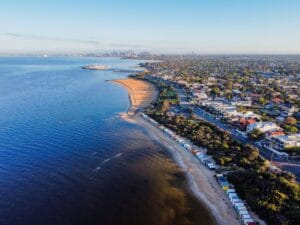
x: 260, y: 102
x: 240, y: 117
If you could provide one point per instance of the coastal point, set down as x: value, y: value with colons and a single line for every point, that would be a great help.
x: 141, y: 93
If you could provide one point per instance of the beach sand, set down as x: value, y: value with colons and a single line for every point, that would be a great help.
x: 141, y: 93
x: 201, y: 181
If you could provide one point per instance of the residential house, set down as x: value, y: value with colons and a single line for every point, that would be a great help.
x: 263, y: 127
x: 286, y: 141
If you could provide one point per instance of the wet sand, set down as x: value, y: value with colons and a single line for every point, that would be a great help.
x: 200, y: 180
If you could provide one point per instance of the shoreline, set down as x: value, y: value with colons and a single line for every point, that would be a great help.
x: 201, y: 181
x: 140, y: 93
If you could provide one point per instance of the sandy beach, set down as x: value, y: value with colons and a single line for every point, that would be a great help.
x: 201, y: 180
x: 141, y: 94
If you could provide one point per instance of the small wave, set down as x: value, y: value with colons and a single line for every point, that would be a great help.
x: 118, y: 155
x: 107, y: 160
x: 97, y: 168
x: 115, y: 156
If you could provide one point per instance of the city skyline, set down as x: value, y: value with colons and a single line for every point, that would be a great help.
x: 214, y: 27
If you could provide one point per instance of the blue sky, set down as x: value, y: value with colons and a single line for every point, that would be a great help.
x: 171, y: 26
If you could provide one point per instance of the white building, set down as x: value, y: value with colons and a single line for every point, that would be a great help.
x: 200, y: 95
x: 286, y: 141
x: 262, y: 127
x: 242, y: 103
x: 250, y: 114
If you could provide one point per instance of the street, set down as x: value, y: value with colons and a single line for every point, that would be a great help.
x: 292, y: 166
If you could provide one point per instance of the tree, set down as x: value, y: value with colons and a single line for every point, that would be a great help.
x: 253, y: 154
x: 262, y: 100
x: 290, y: 129
x: 256, y: 134
x: 225, y: 145
x: 215, y: 91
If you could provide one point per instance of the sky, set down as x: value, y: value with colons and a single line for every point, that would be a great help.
x: 158, y: 26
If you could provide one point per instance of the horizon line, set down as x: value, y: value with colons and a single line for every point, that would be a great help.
x: 138, y: 52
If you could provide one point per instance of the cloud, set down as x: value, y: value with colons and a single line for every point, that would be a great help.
x: 89, y: 45
x: 48, y: 38
x: 94, y: 43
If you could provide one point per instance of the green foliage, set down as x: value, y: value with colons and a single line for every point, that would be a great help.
x: 274, y: 197
x: 224, y: 149
x: 167, y: 97
x: 290, y: 129
x: 262, y: 101
x: 256, y: 135
x: 225, y: 160
x: 215, y: 91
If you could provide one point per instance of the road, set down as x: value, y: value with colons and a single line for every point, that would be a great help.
x: 287, y: 165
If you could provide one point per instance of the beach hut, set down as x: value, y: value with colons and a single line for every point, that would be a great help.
x: 243, y: 212
x: 155, y: 123
x: 180, y: 141
x: 195, y: 151
x: 230, y: 195
x: 225, y: 185
x: 235, y: 200
x: 240, y: 208
x: 231, y: 190
x: 170, y: 133
x: 211, y: 166
x: 203, y: 159
x: 238, y: 204
x: 152, y: 121
x: 187, y: 146
x: 144, y: 115
x: 245, y: 216
x: 200, y: 156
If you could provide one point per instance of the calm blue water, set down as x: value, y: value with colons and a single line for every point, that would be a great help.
x: 65, y: 155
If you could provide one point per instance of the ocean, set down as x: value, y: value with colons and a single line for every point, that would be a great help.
x: 67, y: 158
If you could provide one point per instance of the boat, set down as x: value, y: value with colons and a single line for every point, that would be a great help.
x: 96, y: 67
